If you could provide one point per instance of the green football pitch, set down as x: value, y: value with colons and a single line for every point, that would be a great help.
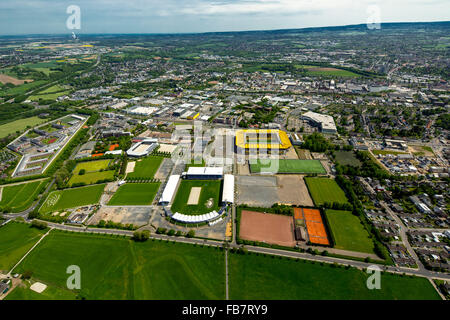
x: 210, y: 189
x: 325, y: 190
x: 287, y: 166
x: 71, y: 198
x: 134, y: 194
x: 146, y: 168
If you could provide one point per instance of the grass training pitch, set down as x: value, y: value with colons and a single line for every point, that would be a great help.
x: 273, y: 278
x: 23, y: 292
x: 287, y: 166
x: 325, y: 190
x: 118, y: 268
x: 91, y: 166
x: 15, y: 240
x: 211, y: 189
x: 71, y: 198
x: 135, y: 194
x: 348, y: 231
x: 146, y: 168
x: 20, y: 197
x: 91, y: 177
x: 12, y: 127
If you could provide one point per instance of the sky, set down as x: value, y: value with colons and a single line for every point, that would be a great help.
x: 186, y: 16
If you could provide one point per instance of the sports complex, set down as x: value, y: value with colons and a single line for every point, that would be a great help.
x: 200, y: 195
x: 255, y: 140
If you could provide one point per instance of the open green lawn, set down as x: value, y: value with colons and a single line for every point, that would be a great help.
x: 20, y: 197
x: 146, y: 168
x: 23, y: 88
x: 287, y: 166
x: 135, y: 194
x: 210, y: 189
x: 91, y: 166
x: 348, y: 231
x: 347, y: 158
x: 71, y: 198
x: 91, y: 177
x: 325, y: 190
x: 118, y: 268
x: 48, y: 96
x: 19, y: 125
x: 258, y: 277
x: 385, y: 152
x: 327, y: 71
x: 15, y: 240
x: 50, y: 293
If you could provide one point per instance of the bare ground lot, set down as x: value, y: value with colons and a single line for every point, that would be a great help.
x: 257, y: 191
x: 292, y: 190
x: 137, y: 216
x: 268, y: 228
x: 7, y: 79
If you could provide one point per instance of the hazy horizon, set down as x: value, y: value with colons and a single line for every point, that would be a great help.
x: 34, y: 17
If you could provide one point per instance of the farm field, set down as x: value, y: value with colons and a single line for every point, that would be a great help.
x: 71, y: 198
x: 210, y: 189
x: 129, y: 270
x: 135, y: 194
x: 15, y: 240
x: 24, y: 88
x: 327, y: 71
x: 91, y: 177
x: 20, y: 197
x: 258, y: 277
x: 50, y: 293
x: 347, y: 158
x: 325, y: 190
x: 48, y: 96
x: 146, y: 168
x: 287, y: 166
x: 12, y: 127
x: 348, y: 232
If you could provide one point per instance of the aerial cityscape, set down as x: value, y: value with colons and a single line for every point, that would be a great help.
x: 305, y: 163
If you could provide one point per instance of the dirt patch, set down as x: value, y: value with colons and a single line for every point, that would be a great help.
x: 257, y: 191
x: 38, y: 287
x: 7, y: 79
x: 292, y: 190
x: 130, y: 167
x: 194, y: 195
x: 137, y: 216
x: 268, y: 228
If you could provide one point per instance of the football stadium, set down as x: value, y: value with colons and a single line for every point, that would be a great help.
x: 198, y: 196
x: 254, y: 140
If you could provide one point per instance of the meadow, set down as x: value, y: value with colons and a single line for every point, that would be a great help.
x: 19, y: 125
x: 287, y: 166
x: 135, y: 194
x: 146, y: 168
x: 20, y: 197
x: 348, y: 232
x: 71, y: 198
x: 15, y: 240
x: 347, y: 158
x: 91, y: 166
x: 118, y: 268
x: 273, y: 278
x: 91, y: 177
x: 325, y: 190
x: 210, y: 189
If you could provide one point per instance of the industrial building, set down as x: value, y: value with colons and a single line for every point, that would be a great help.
x: 324, y: 122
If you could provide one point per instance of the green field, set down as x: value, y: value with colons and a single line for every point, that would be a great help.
x: 50, y: 293
x: 385, y: 152
x: 348, y: 232
x: 135, y: 194
x: 146, y: 168
x: 347, y: 158
x: 19, y: 125
x: 271, y: 278
x: 91, y: 177
x: 20, y: 197
x: 118, y: 268
x: 327, y: 71
x: 71, y: 198
x: 15, y: 240
x: 325, y: 190
x: 48, y: 96
x: 287, y: 166
x: 210, y: 189
x: 23, y: 89
x: 92, y: 166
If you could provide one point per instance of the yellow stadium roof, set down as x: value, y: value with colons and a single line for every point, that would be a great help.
x: 283, y: 143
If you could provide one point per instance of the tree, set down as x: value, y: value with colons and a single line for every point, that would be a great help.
x: 82, y: 172
x: 190, y: 234
x: 39, y: 224
x: 141, y: 236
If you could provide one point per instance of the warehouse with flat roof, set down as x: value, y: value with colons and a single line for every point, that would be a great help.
x: 323, y: 121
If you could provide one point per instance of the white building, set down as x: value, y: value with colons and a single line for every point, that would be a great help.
x: 169, y: 190
x: 324, y: 122
x: 143, y: 148
x: 228, y: 189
